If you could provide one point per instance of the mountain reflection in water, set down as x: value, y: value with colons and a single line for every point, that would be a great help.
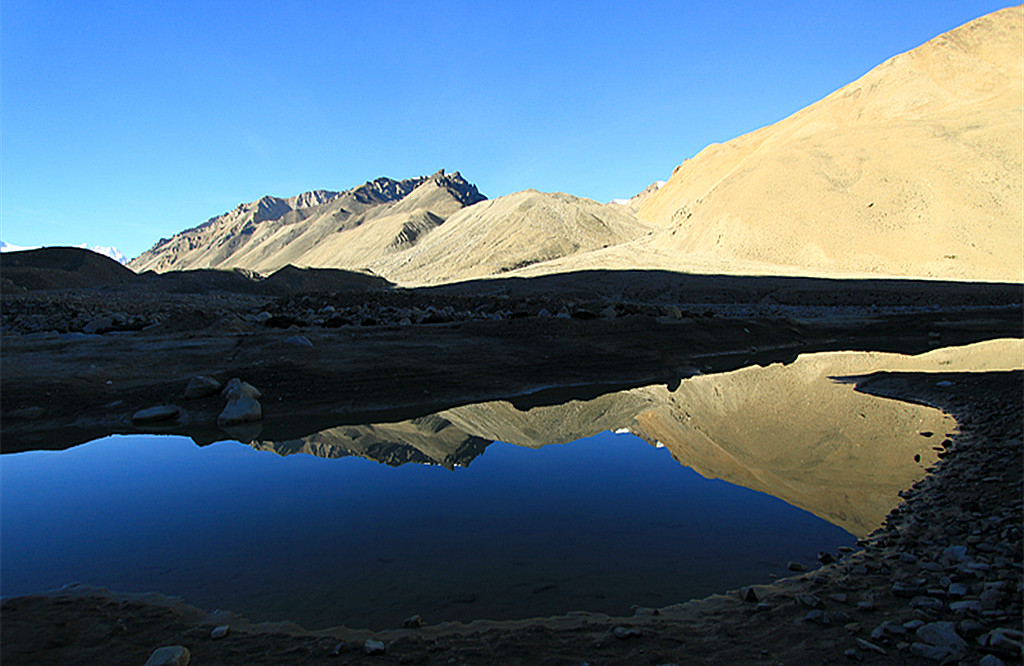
x: 792, y: 431
x: 598, y: 524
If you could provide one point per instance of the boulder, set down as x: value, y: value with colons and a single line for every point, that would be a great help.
x: 201, y: 386
x: 240, y: 410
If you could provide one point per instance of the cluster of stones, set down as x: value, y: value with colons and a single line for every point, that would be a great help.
x: 241, y: 403
x: 311, y: 310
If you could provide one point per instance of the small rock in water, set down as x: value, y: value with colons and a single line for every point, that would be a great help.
x: 796, y: 566
x: 298, y: 340
x: 826, y: 558
x: 413, y: 622
x: 156, y: 414
x: 219, y: 631
x: 372, y: 647
x: 748, y: 594
x: 201, y: 386
x: 169, y: 655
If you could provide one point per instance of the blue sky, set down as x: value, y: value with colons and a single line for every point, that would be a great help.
x: 123, y: 122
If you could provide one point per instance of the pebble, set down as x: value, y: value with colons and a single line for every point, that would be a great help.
x: 796, y: 566
x: 818, y: 617
x: 373, y: 648
x: 413, y: 622
x: 298, y: 340
x: 219, y: 631
x: 942, y: 634
x: 966, y: 607
x: 622, y: 633
x: 868, y: 645
x: 169, y: 655
x: 991, y: 660
x: 808, y: 600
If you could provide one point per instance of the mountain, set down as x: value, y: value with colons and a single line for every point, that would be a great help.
x: 106, y: 251
x: 915, y: 169
x: 320, y: 228
x: 502, y: 235
x: 62, y: 268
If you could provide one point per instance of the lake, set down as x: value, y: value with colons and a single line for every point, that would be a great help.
x: 644, y: 497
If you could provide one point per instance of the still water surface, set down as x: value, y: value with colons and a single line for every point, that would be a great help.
x: 599, y: 524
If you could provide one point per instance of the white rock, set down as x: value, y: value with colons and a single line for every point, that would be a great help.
x: 372, y: 647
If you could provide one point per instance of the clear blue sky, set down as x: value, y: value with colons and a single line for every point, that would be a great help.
x: 126, y: 121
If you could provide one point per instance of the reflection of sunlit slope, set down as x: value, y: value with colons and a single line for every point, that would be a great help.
x: 557, y: 424
x: 428, y: 440
x: 793, y: 432
x: 790, y: 431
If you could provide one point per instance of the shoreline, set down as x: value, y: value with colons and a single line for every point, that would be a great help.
x: 906, y: 575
